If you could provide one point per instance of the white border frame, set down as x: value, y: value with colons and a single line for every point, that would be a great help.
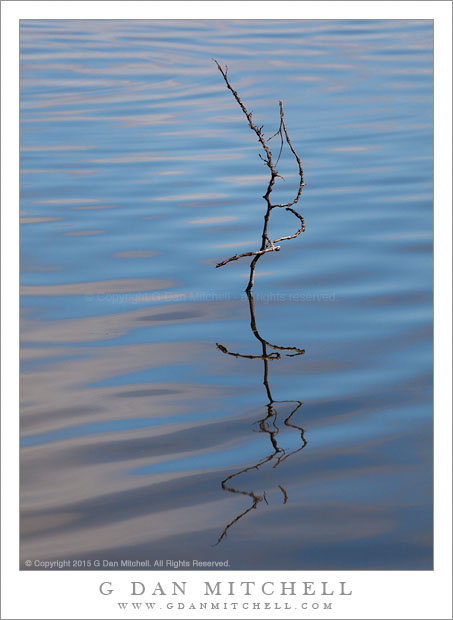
x: 399, y: 594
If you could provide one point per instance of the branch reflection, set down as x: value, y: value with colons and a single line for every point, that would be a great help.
x: 266, y: 425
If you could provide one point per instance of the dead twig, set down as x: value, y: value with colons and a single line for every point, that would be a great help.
x: 271, y: 248
x: 267, y: 244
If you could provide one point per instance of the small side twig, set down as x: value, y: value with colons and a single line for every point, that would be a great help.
x: 272, y: 248
x: 296, y: 234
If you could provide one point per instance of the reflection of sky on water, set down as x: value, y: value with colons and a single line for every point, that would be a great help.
x: 138, y: 174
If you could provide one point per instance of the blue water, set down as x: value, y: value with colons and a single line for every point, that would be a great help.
x: 140, y: 437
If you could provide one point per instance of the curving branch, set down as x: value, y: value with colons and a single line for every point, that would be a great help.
x: 267, y: 244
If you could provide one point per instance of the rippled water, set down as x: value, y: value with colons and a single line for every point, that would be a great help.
x: 142, y: 438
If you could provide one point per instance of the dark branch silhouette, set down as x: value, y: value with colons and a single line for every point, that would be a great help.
x: 267, y: 244
x: 267, y: 425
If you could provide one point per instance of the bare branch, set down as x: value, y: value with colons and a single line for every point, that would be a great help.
x: 299, y: 163
x: 237, y: 256
x: 296, y: 234
x: 267, y: 245
x: 248, y: 115
x: 270, y: 244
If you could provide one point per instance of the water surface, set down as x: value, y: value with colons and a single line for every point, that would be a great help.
x: 142, y: 436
